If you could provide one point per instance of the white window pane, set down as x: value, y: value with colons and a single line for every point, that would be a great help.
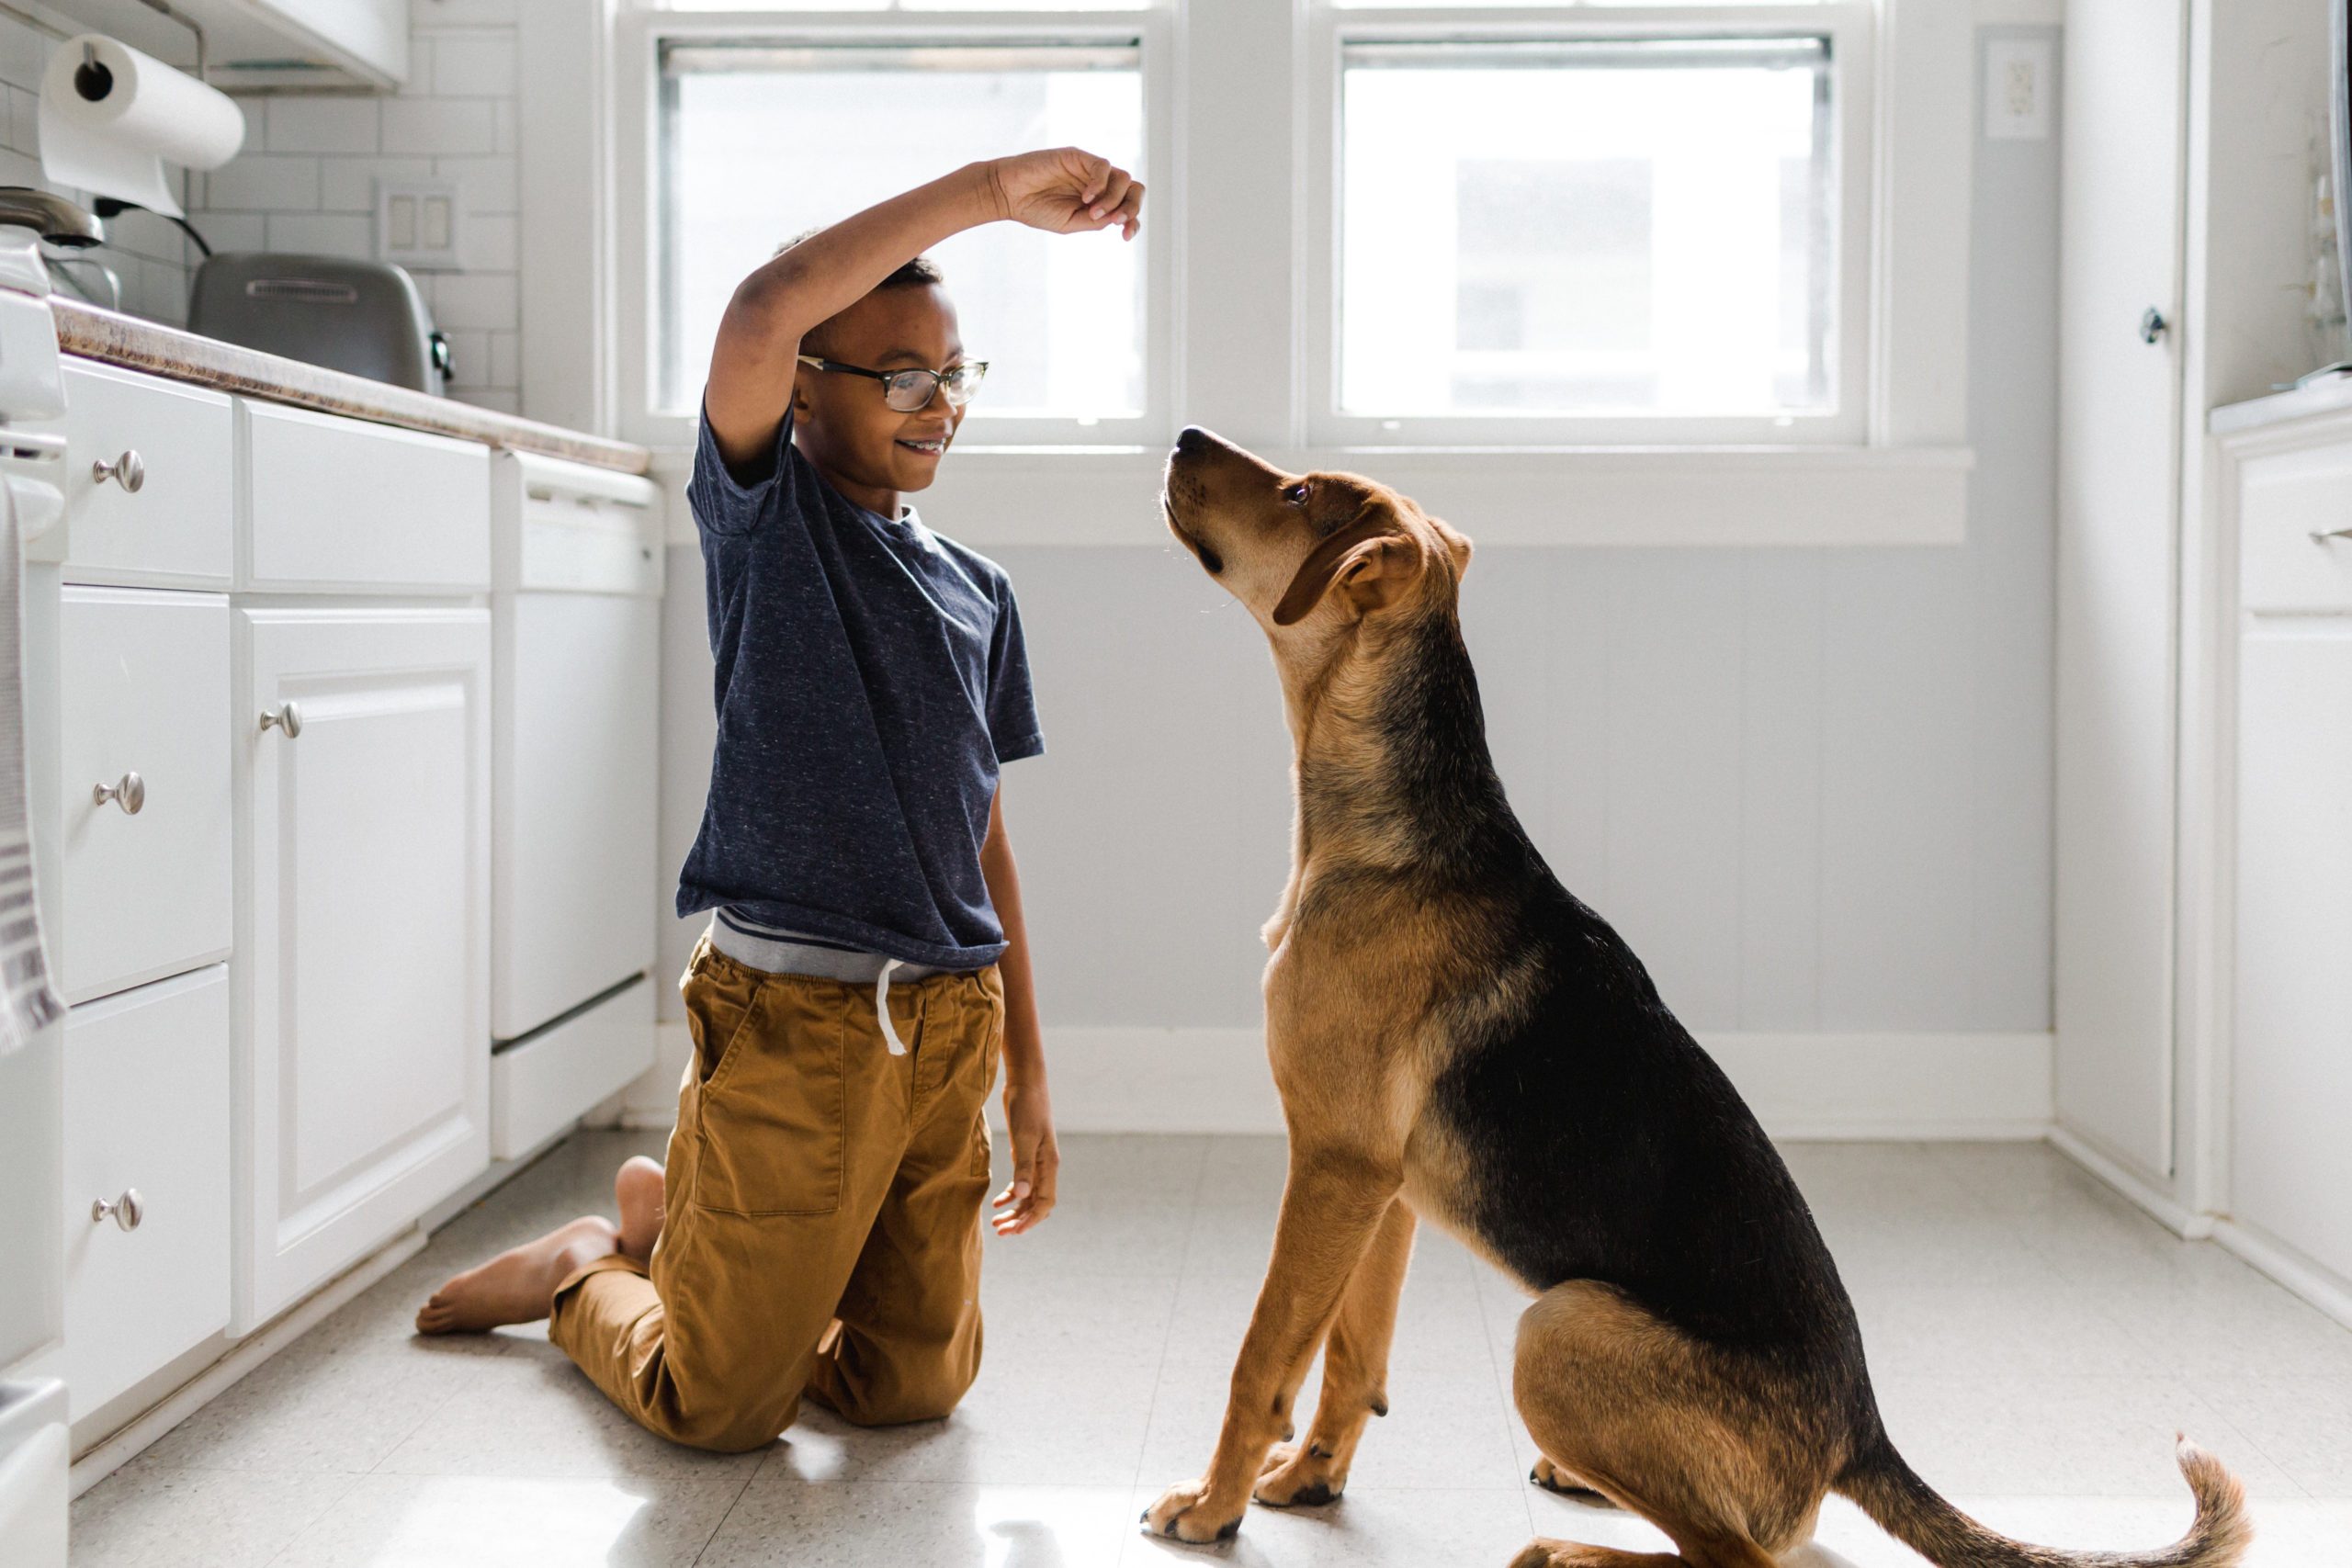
x: 1588, y: 228
x: 762, y: 144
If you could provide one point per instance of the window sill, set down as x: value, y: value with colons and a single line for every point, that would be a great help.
x: 1726, y: 497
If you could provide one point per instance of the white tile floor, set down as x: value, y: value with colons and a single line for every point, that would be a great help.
x: 2036, y: 1342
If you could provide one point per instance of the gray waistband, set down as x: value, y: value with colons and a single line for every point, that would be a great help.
x: 773, y: 956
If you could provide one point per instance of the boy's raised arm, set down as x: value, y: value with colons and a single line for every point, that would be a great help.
x: 1063, y: 191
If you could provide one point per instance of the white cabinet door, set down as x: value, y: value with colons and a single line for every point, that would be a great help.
x: 364, y: 936
x: 2119, y: 475
x: 145, y: 678
x: 2291, y: 1059
x: 147, y: 1134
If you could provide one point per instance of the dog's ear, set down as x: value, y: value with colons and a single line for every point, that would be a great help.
x: 1458, y: 545
x: 1368, y: 559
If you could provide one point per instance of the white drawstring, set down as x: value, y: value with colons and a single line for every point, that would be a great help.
x: 882, y: 1007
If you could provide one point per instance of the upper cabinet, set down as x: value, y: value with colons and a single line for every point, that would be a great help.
x: 253, y: 43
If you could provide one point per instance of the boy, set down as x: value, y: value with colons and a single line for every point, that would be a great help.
x: 815, y: 1229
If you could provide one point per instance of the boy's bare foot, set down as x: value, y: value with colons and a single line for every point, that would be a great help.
x: 518, y: 1284
x: 638, y: 1190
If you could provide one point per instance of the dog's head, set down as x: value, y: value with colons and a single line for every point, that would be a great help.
x: 1306, y: 553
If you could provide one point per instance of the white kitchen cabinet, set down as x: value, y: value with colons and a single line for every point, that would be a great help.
x: 144, y: 675
x: 268, y: 43
x: 364, y: 790
x: 146, y: 1221
x: 2119, y: 389
x: 149, y: 486
x: 342, y: 506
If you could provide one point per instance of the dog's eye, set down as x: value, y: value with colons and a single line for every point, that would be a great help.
x: 1297, y: 494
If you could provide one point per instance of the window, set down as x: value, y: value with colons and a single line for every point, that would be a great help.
x: 759, y: 141
x: 1572, y: 227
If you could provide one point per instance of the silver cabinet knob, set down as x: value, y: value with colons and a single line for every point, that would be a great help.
x: 129, y: 471
x: 2321, y: 536
x: 129, y: 793
x: 287, y: 717
x: 2153, y: 324
x: 126, y: 1211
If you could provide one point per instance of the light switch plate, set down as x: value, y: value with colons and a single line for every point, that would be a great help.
x: 2018, y: 81
x: 419, y: 224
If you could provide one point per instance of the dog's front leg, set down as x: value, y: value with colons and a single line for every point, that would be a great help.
x: 1355, y: 1374
x: 1331, y: 1207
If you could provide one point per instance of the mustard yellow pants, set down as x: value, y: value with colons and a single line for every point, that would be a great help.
x: 823, y: 1200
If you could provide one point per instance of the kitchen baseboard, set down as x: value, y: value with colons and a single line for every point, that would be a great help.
x: 1826, y: 1087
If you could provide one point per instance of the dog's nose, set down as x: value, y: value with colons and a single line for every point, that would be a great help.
x: 1193, y: 439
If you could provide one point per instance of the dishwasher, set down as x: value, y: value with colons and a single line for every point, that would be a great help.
x: 576, y: 609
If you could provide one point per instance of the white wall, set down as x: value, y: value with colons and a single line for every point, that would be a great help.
x: 306, y: 178
x: 1811, y: 786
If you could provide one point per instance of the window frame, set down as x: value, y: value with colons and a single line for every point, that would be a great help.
x: 1333, y: 28
x: 643, y: 30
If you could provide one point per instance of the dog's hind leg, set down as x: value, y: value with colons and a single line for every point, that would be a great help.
x: 1626, y: 1403
x: 1332, y: 1206
x: 1355, y: 1374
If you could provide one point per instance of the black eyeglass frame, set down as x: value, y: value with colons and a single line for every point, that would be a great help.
x: 977, y: 370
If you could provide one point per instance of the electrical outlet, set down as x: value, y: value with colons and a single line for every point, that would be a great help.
x: 418, y: 224
x: 2017, y: 87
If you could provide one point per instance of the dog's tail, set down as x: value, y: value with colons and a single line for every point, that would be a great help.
x: 1910, y: 1510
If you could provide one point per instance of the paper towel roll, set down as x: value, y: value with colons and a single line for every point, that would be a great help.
x: 110, y: 117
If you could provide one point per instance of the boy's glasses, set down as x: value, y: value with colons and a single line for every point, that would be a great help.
x: 909, y: 392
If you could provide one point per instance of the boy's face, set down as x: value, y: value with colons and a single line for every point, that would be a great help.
x: 845, y: 428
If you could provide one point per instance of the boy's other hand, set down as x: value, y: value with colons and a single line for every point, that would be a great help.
x: 1066, y: 190
x: 1036, y: 1160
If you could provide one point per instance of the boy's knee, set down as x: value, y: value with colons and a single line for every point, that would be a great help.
x: 899, y: 1400
x: 724, y: 1431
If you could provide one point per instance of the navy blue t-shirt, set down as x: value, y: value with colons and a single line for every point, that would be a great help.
x: 871, y: 677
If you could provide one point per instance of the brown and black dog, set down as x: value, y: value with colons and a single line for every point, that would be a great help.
x: 1455, y: 1035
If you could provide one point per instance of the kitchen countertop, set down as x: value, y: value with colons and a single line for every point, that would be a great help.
x: 2324, y: 395
x: 134, y: 344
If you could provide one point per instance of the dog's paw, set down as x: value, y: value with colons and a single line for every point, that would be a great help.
x: 1553, y: 1479
x: 1300, y: 1476
x: 1184, y: 1514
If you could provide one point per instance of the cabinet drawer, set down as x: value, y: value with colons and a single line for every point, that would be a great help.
x: 540, y: 1085
x: 337, y: 503
x: 143, y: 679
x: 2290, y: 502
x: 179, y: 526
x: 146, y: 1112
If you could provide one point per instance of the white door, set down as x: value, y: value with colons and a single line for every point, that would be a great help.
x: 2291, y: 1060
x: 2118, y: 478
x: 364, y: 747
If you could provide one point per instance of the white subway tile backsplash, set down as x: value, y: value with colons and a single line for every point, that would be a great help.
x: 24, y: 55
x: 24, y: 120
x: 468, y: 356
x: 323, y: 124
x: 492, y: 243
x: 418, y: 81
x: 490, y: 184
x: 348, y: 235
x: 483, y: 300
x: 232, y: 230
x: 264, y: 182
x: 348, y: 185
x: 473, y: 65
x: 504, y: 134
x: 505, y: 359
x: 425, y: 15
x: 450, y: 126
x: 505, y: 399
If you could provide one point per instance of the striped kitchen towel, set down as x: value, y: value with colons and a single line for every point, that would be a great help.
x: 28, y: 1001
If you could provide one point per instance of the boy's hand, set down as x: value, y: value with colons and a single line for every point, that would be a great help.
x: 1037, y: 1160
x: 1066, y: 190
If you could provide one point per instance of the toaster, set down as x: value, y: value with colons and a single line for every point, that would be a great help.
x: 364, y: 317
